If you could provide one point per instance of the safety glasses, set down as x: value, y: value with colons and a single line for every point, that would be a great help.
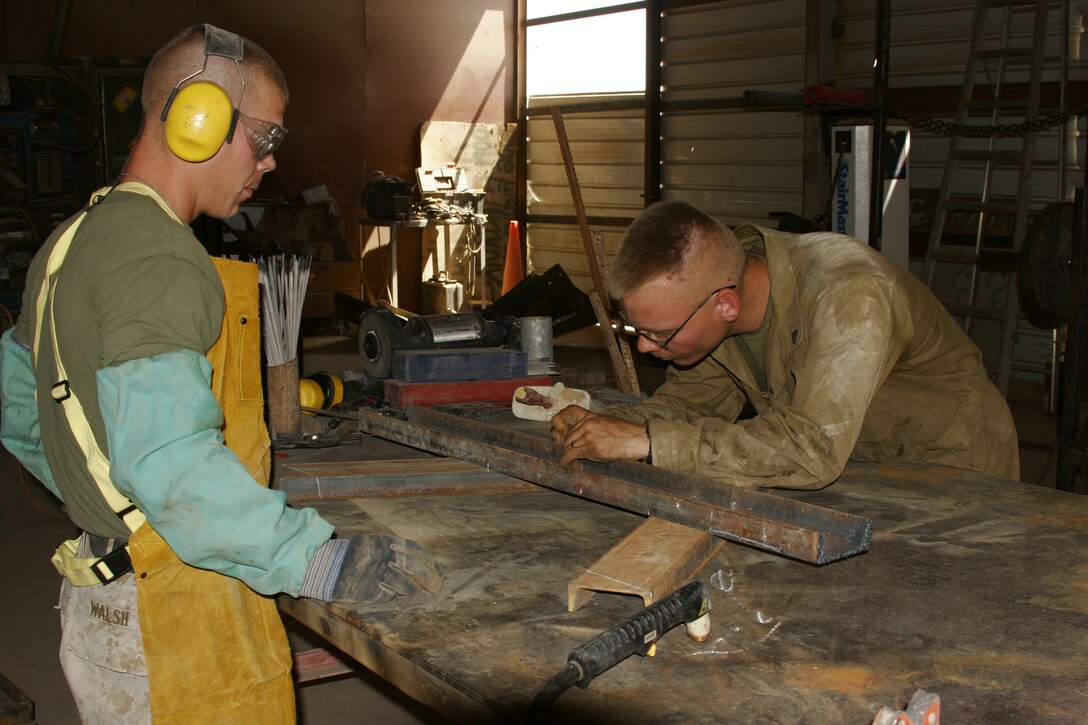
x: 656, y: 337
x: 264, y: 136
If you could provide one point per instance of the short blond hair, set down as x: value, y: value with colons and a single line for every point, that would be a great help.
x: 674, y: 239
x: 183, y: 55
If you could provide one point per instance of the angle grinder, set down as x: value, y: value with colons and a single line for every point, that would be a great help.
x: 381, y: 332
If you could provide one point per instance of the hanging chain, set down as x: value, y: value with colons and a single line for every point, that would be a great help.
x: 947, y: 128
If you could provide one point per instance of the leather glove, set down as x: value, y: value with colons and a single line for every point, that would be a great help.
x: 373, y: 568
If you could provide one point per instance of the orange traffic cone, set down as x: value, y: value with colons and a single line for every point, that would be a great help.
x: 514, y: 272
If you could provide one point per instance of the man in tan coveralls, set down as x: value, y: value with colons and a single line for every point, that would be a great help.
x: 841, y: 353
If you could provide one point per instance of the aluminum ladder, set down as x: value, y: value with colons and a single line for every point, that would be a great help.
x: 970, y: 263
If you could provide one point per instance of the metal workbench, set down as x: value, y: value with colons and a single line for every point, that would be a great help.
x: 975, y: 588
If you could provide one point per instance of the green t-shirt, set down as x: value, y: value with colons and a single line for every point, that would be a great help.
x: 135, y: 283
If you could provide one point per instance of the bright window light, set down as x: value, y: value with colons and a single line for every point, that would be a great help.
x: 602, y: 54
x: 546, y: 8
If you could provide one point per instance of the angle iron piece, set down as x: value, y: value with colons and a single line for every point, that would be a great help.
x: 813, y: 534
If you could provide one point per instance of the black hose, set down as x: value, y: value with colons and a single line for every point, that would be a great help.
x: 633, y: 636
x: 551, y: 692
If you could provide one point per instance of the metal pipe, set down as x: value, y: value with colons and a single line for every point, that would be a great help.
x: 56, y: 34
x: 790, y: 528
x: 880, y: 121
x: 651, y: 184
x: 1075, y: 351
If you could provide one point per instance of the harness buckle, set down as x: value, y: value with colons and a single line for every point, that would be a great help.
x: 64, y: 393
x: 113, y: 565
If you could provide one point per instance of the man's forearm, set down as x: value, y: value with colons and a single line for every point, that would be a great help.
x: 19, y: 427
x: 168, y: 456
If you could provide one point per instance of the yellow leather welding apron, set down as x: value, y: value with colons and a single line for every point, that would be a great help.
x: 216, y: 650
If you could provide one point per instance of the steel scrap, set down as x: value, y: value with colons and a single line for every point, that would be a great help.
x: 795, y: 529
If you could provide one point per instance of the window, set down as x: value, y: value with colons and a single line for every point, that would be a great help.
x: 584, y: 46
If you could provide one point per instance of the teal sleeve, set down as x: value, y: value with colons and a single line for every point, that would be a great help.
x: 167, y: 455
x: 19, y: 429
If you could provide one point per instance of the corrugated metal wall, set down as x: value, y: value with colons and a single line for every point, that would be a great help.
x: 737, y: 165
x: 607, y: 148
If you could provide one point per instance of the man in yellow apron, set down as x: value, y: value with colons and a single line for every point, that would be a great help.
x: 131, y: 389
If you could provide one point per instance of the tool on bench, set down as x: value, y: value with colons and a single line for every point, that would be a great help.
x: 381, y: 332
x: 924, y: 708
x: 690, y: 604
x: 542, y: 402
x: 321, y: 390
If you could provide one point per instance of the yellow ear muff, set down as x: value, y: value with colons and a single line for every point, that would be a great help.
x: 320, y: 390
x: 198, y: 120
x: 310, y: 394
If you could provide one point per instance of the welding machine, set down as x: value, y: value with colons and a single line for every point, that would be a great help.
x: 387, y: 197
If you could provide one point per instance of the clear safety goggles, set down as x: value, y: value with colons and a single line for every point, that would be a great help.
x: 264, y: 136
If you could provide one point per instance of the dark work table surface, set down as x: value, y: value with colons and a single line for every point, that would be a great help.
x: 975, y: 588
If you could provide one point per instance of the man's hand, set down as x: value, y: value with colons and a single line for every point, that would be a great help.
x: 379, y: 567
x: 598, y: 437
x: 565, y: 419
x: 373, y: 568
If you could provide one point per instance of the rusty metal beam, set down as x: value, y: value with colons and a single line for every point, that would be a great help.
x: 791, y: 528
x: 619, y: 350
x: 380, y: 478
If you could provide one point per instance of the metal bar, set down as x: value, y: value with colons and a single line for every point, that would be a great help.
x: 1076, y: 351
x: 783, y: 526
x: 596, y: 272
x: 581, y: 14
x: 880, y: 122
x: 920, y: 100
x: 387, y: 478
x: 521, y: 171
x: 319, y: 664
x: 652, y: 561
x: 618, y: 349
x: 651, y: 179
x: 597, y: 221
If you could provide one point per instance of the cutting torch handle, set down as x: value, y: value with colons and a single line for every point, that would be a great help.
x: 633, y: 636
x: 638, y: 634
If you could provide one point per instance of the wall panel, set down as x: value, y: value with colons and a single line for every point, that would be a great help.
x: 607, y: 148
x: 737, y: 164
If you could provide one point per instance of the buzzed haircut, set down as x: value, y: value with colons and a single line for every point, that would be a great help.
x: 673, y: 238
x: 183, y: 55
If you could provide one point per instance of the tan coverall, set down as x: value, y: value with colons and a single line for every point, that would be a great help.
x: 861, y: 361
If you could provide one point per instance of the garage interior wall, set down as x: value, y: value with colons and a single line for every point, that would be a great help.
x: 930, y: 44
x: 743, y: 163
x: 364, y: 76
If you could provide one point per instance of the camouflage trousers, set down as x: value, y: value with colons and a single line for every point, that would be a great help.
x: 101, y: 650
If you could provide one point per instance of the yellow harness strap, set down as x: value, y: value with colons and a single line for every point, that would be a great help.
x: 83, y: 571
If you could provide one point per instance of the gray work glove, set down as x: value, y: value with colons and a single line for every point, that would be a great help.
x: 370, y: 568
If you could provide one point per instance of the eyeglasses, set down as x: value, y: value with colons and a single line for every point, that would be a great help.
x: 664, y: 344
x: 264, y: 136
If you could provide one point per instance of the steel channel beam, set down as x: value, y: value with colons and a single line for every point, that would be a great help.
x: 844, y: 532
x: 783, y: 526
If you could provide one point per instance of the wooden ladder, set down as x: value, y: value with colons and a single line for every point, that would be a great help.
x: 970, y: 263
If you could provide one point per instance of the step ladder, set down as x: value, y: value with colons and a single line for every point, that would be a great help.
x: 983, y: 208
